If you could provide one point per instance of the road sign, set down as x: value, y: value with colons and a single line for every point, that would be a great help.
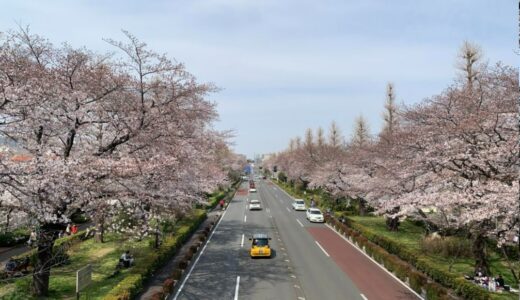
x: 83, y: 278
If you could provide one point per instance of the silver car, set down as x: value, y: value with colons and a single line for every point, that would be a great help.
x: 255, y: 205
x: 299, y: 204
x: 315, y: 215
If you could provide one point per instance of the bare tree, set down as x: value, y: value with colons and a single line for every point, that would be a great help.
x: 390, y: 114
x: 469, y: 56
x: 361, y: 134
x: 335, y: 139
x: 320, y: 138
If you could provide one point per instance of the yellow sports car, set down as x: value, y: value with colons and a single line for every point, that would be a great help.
x: 260, y: 245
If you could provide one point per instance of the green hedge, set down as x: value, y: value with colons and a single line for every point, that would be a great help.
x: 15, y: 237
x: 58, y: 247
x: 227, y: 195
x: 394, y: 256
x: 64, y: 241
x: 132, y: 284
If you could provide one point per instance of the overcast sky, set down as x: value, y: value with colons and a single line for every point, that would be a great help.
x: 286, y: 65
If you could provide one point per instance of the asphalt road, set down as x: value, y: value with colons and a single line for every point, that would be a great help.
x: 309, y: 260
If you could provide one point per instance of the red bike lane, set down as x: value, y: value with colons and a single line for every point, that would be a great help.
x: 371, y: 280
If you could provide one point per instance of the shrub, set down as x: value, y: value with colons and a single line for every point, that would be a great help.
x: 126, y: 289
x: 193, y: 248
x: 168, y: 286
x: 468, y: 290
x: 188, y: 256
x: 434, y: 291
x: 15, y: 237
x: 157, y: 296
x: 177, y: 274
x: 417, y: 280
x: 183, y: 264
x: 447, y: 246
x: 282, y: 177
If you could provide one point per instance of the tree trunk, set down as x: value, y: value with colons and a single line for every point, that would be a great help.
x: 479, y: 253
x: 392, y: 223
x: 8, y: 220
x: 100, y: 232
x: 42, y: 270
x: 156, y: 242
x: 362, y: 207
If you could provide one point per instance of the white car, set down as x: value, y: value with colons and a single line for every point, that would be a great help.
x: 252, y: 190
x: 298, y: 204
x: 254, y: 205
x: 315, y: 215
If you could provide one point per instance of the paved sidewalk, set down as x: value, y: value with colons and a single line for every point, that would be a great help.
x: 155, y: 284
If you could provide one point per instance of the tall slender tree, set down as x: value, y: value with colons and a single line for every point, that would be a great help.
x: 361, y: 134
x: 335, y: 139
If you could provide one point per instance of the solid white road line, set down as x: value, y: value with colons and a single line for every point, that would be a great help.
x: 322, y: 248
x: 375, y: 262
x: 363, y: 296
x: 236, y: 287
x: 299, y: 222
x: 245, y: 218
x: 242, y: 242
x: 288, y: 209
x: 198, y: 257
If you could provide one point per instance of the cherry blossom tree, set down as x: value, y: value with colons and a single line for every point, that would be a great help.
x: 102, y: 135
x: 451, y: 160
x: 464, y: 145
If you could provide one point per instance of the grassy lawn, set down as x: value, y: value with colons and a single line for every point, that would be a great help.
x: 102, y: 256
x: 410, y: 235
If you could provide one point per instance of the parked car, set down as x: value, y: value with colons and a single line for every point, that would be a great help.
x: 314, y: 215
x: 298, y: 204
x: 260, y: 245
x: 255, y: 205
